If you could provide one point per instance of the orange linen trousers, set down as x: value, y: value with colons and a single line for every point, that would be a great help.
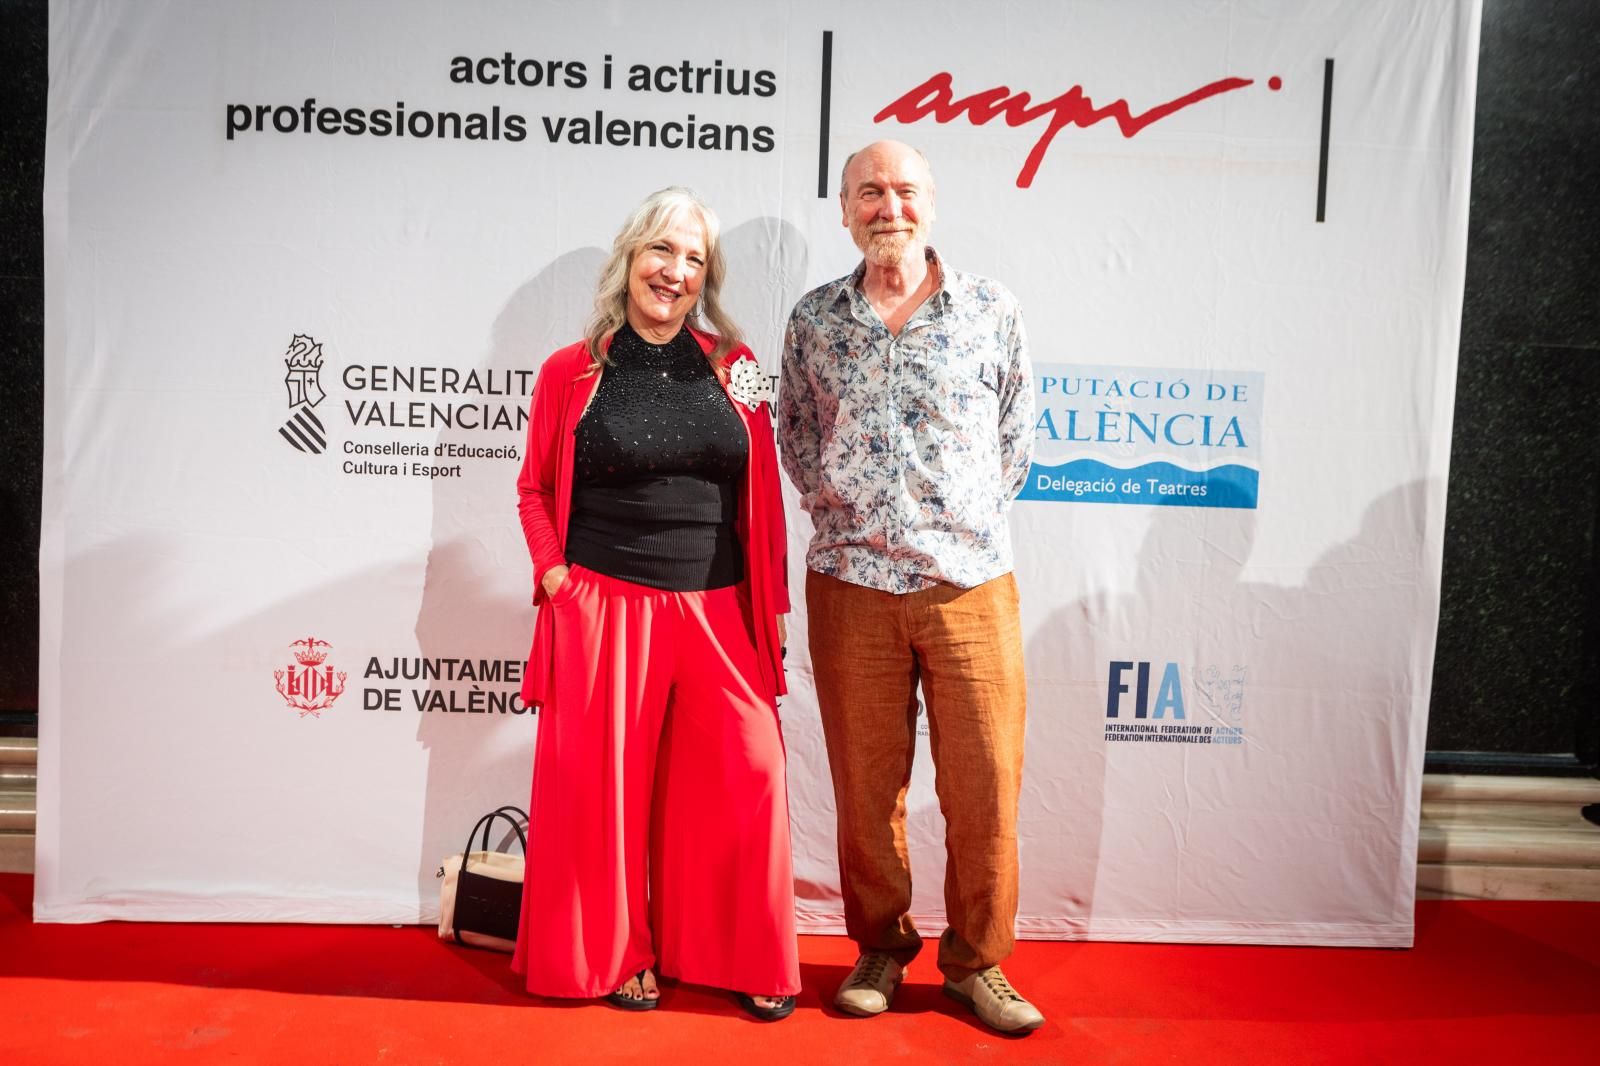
x: 869, y: 650
x: 658, y: 764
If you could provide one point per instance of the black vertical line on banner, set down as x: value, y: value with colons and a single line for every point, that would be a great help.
x: 1327, y: 114
x: 827, y: 93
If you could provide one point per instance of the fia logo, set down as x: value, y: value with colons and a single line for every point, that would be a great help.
x: 304, y: 430
x: 1169, y: 693
x: 310, y: 684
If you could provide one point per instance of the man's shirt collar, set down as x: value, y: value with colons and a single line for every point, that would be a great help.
x: 937, y: 302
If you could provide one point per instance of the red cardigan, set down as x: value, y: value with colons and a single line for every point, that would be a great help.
x: 544, y: 490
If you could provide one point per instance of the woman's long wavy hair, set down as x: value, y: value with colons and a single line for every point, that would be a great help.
x: 659, y: 212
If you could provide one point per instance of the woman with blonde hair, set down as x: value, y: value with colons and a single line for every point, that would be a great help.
x: 658, y: 834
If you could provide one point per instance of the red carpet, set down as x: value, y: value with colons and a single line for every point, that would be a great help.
x: 1486, y: 983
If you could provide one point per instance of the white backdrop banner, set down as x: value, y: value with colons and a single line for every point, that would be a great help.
x: 303, y: 262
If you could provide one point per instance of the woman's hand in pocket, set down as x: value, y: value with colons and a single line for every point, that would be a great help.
x: 554, y: 578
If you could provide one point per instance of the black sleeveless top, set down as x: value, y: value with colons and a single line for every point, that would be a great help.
x: 659, y: 458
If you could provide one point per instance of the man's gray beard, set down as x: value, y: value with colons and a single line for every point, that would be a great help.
x: 887, y: 249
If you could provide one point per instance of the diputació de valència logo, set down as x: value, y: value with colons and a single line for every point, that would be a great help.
x: 1166, y: 437
x: 303, y: 429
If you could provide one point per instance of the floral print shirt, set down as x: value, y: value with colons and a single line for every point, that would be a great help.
x: 907, y: 450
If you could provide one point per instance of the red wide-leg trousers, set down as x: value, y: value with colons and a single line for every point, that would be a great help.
x: 658, y: 831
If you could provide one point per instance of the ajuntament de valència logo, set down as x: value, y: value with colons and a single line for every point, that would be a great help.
x: 1167, y: 437
x: 303, y: 429
x: 310, y: 684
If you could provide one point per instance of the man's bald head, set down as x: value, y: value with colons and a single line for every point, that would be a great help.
x: 893, y: 148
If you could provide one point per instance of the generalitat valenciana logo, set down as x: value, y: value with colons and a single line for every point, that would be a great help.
x: 303, y: 429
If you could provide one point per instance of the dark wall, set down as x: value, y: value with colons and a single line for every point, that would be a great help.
x: 23, y: 25
x: 1517, y: 654
x: 1517, y: 659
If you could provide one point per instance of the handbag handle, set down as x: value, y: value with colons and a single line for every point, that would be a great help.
x: 486, y: 823
x: 504, y: 812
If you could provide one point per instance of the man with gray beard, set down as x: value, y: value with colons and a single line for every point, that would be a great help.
x: 906, y: 422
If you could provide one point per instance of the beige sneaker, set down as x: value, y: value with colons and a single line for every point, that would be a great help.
x: 997, y: 1004
x: 870, y: 987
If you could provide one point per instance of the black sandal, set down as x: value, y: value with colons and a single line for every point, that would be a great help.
x: 617, y: 999
x: 784, y: 1008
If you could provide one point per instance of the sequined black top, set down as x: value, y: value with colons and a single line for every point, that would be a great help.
x: 658, y: 460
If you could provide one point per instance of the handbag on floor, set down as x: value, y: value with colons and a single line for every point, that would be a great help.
x: 480, y: 899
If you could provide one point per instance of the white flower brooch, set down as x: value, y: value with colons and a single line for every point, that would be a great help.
x: 749, y: 384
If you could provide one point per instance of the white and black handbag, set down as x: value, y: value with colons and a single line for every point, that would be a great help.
x: 480, y: 899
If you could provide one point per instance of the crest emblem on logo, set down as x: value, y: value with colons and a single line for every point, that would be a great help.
x: 1222, y: 694
x: 304, y: 429
x: 310, y: 684
x: 749, y: 384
